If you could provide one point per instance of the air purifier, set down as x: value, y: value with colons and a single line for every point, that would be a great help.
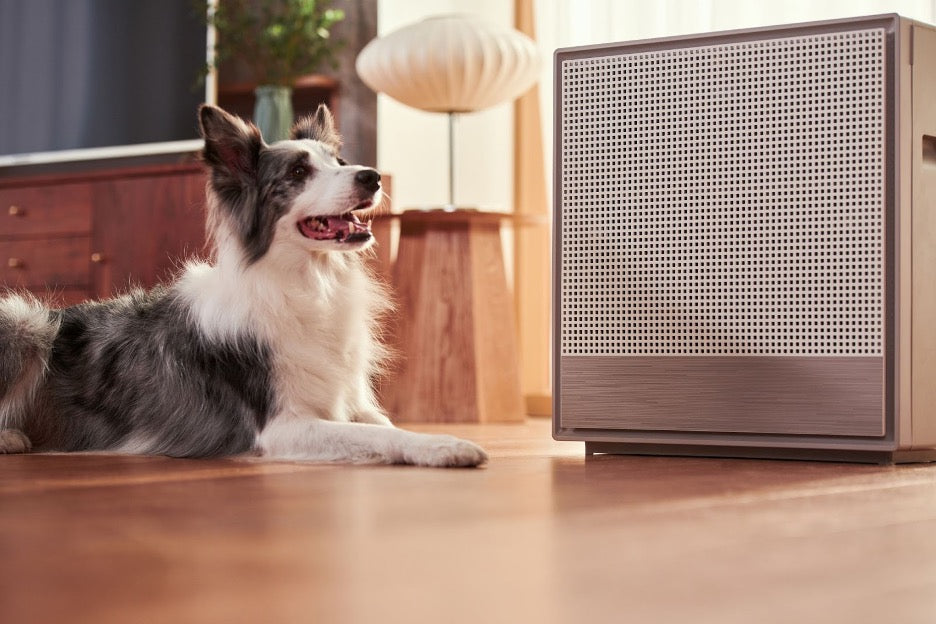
x: 745, y: 243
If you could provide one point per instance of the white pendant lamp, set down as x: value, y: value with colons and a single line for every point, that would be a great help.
x: 450, y: 64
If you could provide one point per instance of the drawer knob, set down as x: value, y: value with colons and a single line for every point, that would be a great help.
x: 15, y: 263
x: 97, y: 258
x: 16, y: 211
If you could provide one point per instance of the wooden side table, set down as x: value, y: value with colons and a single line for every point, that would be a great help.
x: 455, y: 332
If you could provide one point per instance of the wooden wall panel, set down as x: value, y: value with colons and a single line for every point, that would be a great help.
x: 532, y: 251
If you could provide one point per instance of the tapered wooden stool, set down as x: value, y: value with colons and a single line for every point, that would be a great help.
x: 455, y: 329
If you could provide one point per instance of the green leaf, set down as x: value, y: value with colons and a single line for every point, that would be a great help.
x: 278, y: 40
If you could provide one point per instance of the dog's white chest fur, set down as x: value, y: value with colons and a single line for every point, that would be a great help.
x: 317, y: 323
x: 323, y: 342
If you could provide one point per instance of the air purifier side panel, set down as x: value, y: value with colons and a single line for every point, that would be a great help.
x: 833, y: 396
x: 924, y: 237
x: 899, y: 361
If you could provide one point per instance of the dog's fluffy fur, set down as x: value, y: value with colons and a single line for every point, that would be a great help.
x: 271, y: 349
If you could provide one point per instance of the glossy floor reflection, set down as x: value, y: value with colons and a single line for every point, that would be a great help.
x: 541, y: 534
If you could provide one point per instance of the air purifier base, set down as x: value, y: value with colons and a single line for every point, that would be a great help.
x: 744, y: 452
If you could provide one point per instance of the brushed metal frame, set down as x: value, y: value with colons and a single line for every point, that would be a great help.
x: 832, y: 396
x: 896, y: 443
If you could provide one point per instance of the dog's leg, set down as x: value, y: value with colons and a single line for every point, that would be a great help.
x: 363, y: 406
x: 14, y: 441
x: 371, y: 417
x: 291, y: 437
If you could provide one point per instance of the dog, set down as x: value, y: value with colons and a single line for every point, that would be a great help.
x: 271, y: 349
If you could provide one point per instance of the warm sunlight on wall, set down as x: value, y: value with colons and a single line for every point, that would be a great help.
x: 563, y: 23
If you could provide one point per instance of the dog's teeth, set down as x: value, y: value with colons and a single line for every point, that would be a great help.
x: 351, y: 227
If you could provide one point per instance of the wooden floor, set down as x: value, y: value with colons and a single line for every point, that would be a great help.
x: 541, y: 534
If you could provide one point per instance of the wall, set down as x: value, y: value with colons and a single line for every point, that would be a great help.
x: 412, y: 145
x: 358, y: 104
x: 563, y: 23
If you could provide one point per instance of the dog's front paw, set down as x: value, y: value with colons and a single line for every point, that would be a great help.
x: 14, y: 441
x: 445, y: 451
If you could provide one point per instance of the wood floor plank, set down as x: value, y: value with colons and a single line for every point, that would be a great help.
x: 541, y: 534
x: 33, y: 473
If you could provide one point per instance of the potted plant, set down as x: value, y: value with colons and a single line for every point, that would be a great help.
x: 276, y: 41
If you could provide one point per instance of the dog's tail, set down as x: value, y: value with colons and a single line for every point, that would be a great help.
x: 27, y: 331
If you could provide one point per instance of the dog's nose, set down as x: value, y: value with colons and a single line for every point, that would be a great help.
x: 369, y: 179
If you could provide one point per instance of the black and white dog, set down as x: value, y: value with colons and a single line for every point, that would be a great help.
x: 269, y: 350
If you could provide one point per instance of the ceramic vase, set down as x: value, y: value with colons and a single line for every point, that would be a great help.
x: 273, y: 112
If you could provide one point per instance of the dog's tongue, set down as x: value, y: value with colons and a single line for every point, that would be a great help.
x: 339, y: 228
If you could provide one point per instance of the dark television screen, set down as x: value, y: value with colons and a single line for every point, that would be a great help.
x: 93, y: 73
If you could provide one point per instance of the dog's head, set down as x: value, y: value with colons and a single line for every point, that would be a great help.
x: 297, y: 194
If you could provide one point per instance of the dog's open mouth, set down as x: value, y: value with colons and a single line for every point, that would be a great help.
x: 345, y: 228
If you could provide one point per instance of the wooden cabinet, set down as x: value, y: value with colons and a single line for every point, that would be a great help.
x: 91, y: 235
x: 45, y: 238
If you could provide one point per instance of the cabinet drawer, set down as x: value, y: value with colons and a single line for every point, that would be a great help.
x: 45, y: 263
x: 43, y: 211
x: 61, y: 297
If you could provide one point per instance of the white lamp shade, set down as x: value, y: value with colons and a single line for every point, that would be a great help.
x: 450, y: 63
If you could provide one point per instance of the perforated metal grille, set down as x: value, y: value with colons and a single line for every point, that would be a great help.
x: 726, y: 199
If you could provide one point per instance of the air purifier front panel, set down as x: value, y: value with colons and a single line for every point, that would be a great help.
x: 726, y: 199
x: 726, y: 210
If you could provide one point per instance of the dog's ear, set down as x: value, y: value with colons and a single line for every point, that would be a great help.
x: 232, y: 146
x: 319, y: 126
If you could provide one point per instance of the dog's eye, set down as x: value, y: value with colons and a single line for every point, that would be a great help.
x: 299, y: 171
x: 341, y: 161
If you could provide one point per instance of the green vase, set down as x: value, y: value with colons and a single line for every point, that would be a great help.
x: 273, y: 112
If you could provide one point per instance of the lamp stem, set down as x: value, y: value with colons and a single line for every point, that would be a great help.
x: 451, y: 141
